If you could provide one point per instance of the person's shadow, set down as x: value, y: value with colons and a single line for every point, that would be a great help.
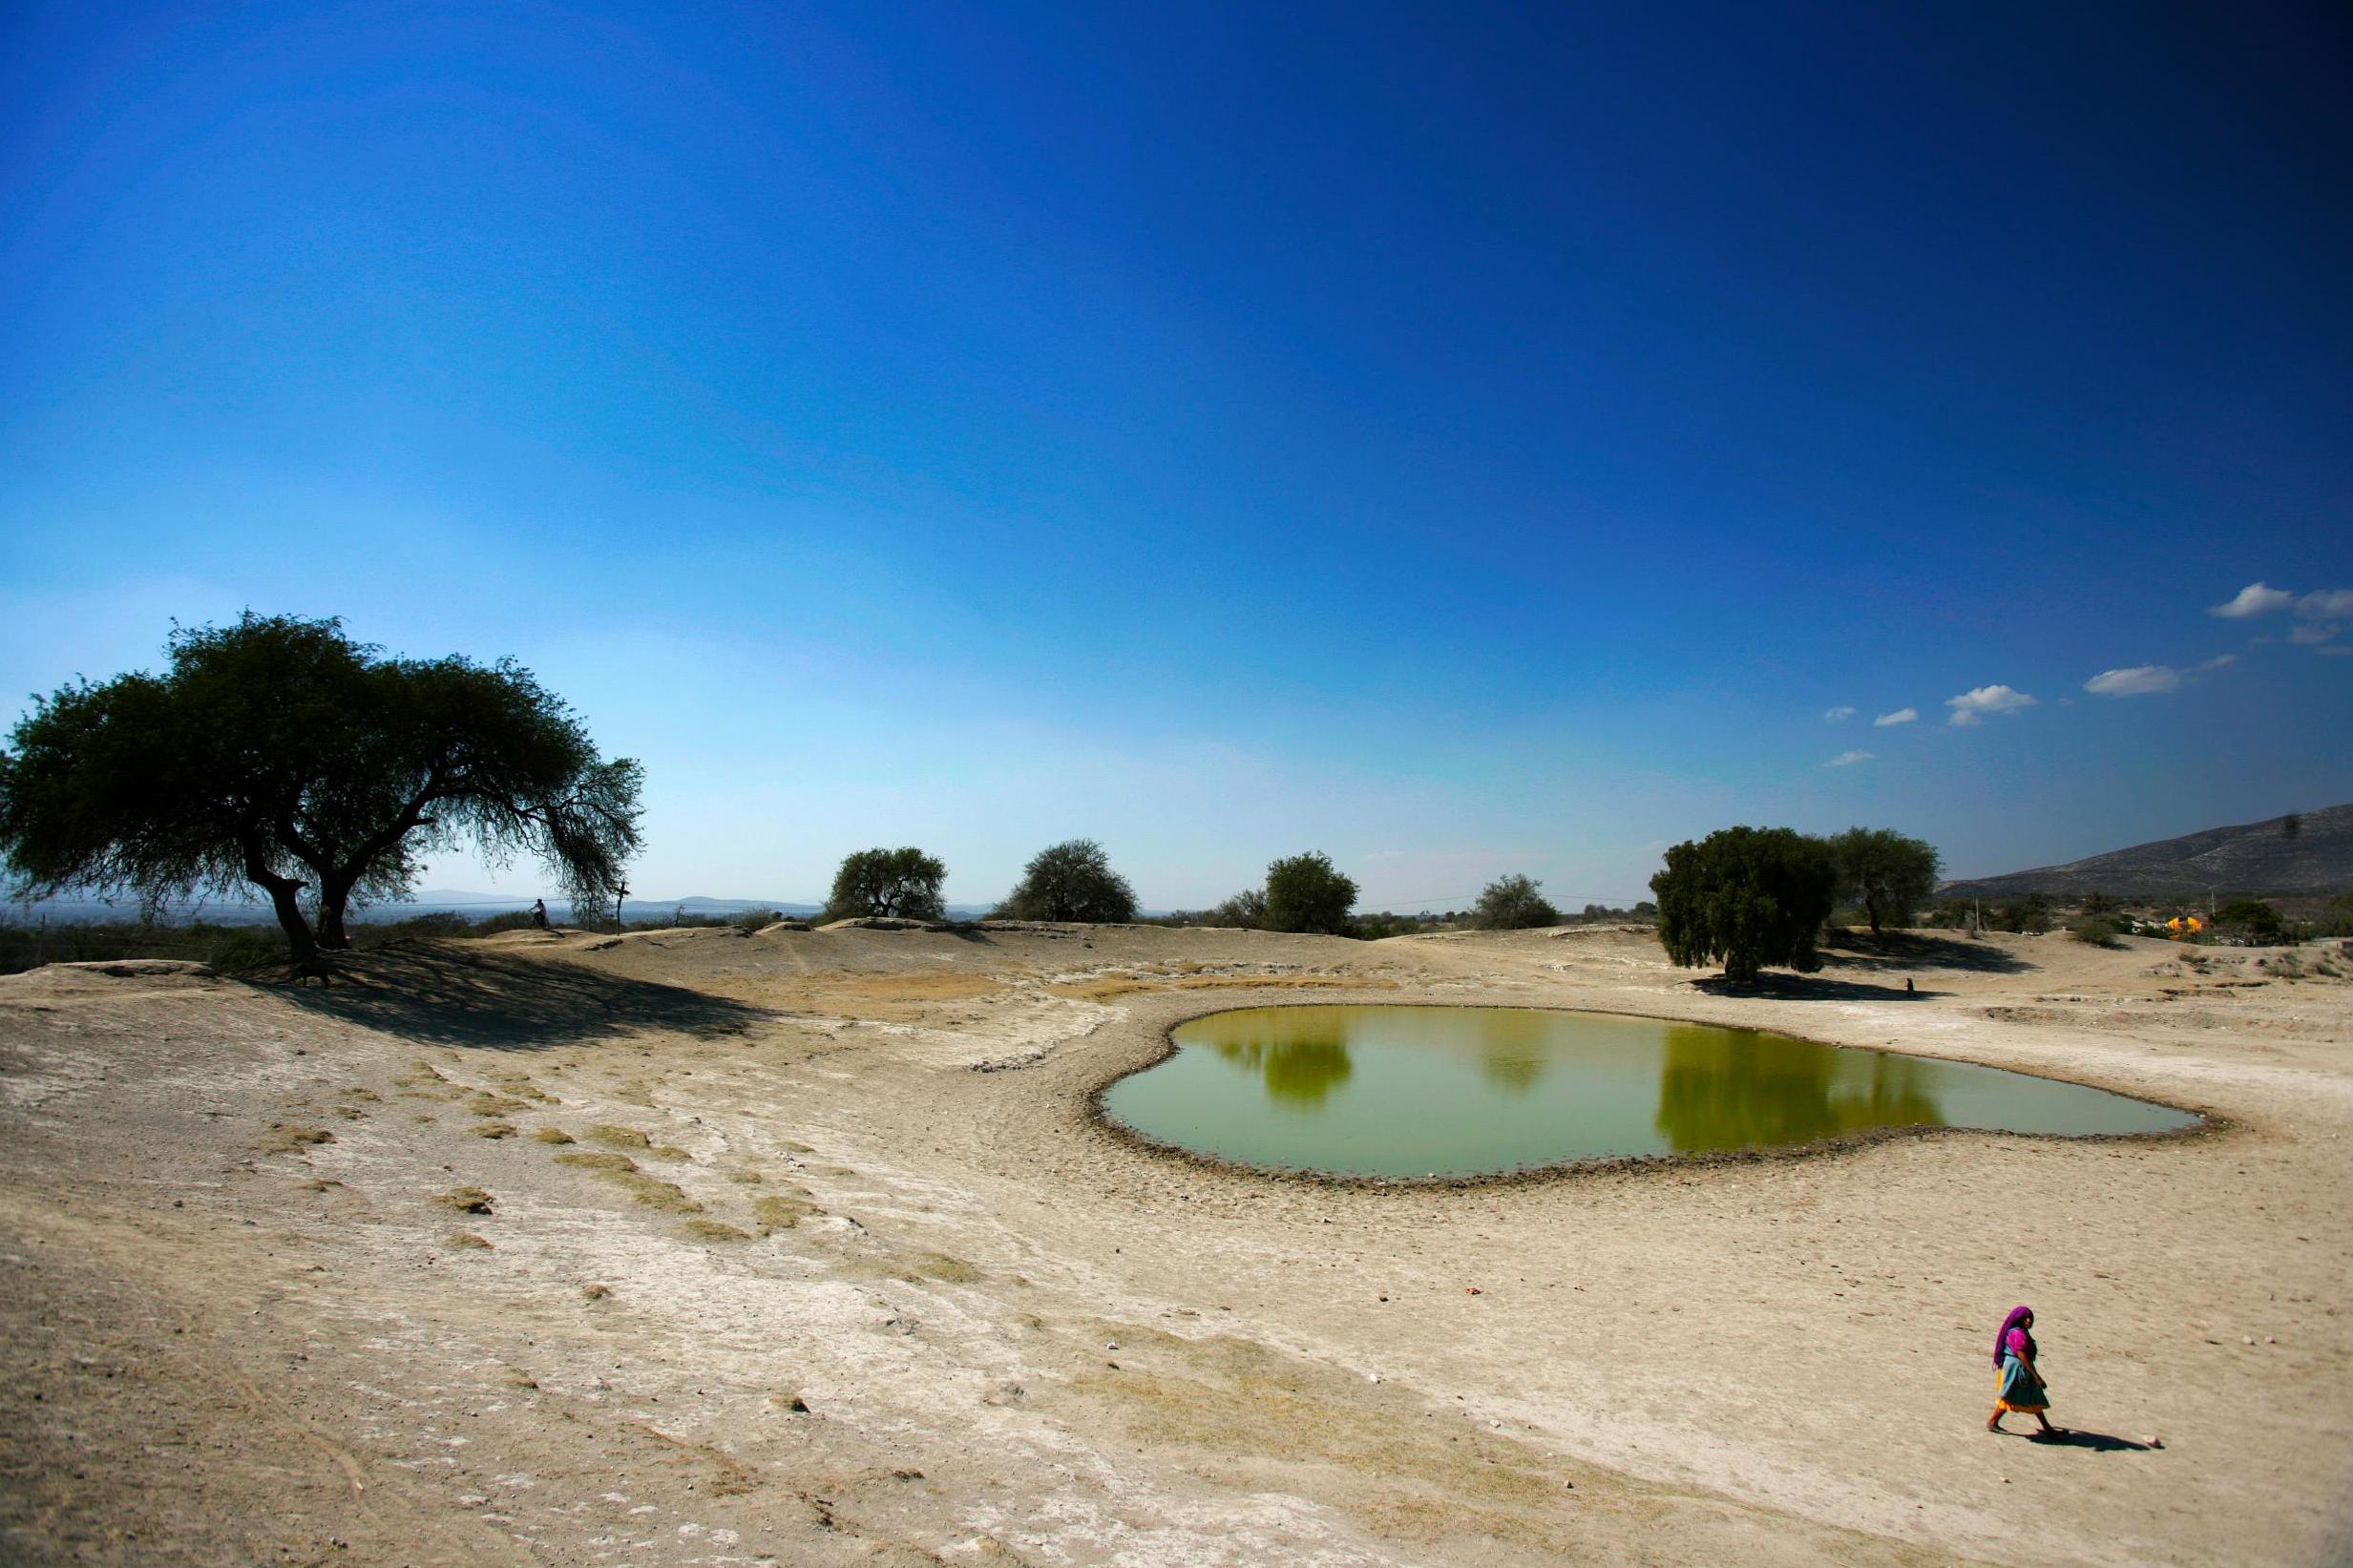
x: 2098, y: 1442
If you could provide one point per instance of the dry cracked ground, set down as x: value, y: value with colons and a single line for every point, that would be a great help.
x: 802, y: 1247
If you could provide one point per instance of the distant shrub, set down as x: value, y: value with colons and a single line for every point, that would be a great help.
x: 2029, y: 915
x: 30, y: 945
x: 1514, y: 902
x: 752, y: 920
x: 1374, y: 927
x: 1247, y: 909
x: 2250, y: 917
x: 231, y: 948
x: 2098, y: 931
x: 513, y: 920
x: 1307, y: 894
x: 433, y: 924
x: 1071, y: 882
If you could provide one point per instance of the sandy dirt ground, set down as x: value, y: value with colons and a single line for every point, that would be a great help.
x: 802, y: 1247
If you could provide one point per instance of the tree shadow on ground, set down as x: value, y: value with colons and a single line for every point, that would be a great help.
x: 1913, y: 950
x: 441, y: 995
x: 2095, y: 1442
x: 1810, y: 988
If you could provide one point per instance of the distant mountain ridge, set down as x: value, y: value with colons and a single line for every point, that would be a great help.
x: 2257, y: 857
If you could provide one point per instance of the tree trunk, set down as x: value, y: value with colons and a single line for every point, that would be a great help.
x: 334, y: 892
x: 282, y: 891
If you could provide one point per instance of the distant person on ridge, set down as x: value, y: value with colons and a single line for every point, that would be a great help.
x: 538, y: 912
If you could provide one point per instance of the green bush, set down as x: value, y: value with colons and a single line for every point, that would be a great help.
x: 1306, y: 893
x: 1514, y: 902
x: 2097, y: 930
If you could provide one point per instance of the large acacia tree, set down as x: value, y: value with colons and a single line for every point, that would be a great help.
x: 1747, y: 896
x: 1071, y: 881
x: 279, y: 754
x: 893, y: 884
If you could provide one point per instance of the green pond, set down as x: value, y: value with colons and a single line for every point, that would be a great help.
x: 1454, y: 1091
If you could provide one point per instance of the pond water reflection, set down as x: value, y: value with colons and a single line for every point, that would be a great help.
x: 1413, y: 1091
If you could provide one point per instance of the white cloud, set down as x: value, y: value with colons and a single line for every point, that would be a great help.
x: 1902, y: 716
x: 2255, y: 600
x: 2140, y: 681
x: 2218, y: 661
x: 1970, y: 707
x: 2310, y: 637
x: 2335, y: 602
x: 1838, y: 715
x: 2335, y: 650
x: 1848, y: 758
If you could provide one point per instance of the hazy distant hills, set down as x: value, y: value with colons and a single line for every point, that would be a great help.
x: 2309, y: 852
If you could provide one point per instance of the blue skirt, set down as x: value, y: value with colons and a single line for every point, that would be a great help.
x: 2020, y: 1391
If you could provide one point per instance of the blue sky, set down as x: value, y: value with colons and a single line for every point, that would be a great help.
x: 1461, y: 441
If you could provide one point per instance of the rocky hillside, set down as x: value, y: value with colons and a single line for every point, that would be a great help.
x: 2310, y: 852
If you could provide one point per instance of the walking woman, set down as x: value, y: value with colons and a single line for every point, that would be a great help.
x: 2023, y: 1389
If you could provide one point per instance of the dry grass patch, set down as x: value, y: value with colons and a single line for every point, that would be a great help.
x: 486, y: 1103
x: 424, y: 1081
x: 670, y: 1152
x: 711, y: 1230
x: 782, y: 1213
x: 1123, y: 985
x: 552, y: 1135
x: 466, y: 1239
x: 464, y: 1200
x: 596, y: 1160
x: 948, y: 1270
x: 655, y: 1192
x: 494, y: 1129
x: 617, y: 1138
x: 284, y: 1137
x: 747, y: 1178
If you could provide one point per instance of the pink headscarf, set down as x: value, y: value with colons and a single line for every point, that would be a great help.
x: 2002, y: 1336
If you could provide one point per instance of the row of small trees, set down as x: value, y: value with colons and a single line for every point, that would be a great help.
x: 278, y: 753
x: 1748, y: 897
x: 1068, y: 881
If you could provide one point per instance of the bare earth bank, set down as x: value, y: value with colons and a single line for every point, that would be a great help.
x: 835, y: 1268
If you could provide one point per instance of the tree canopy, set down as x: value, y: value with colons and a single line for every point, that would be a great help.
x: 1071, y: 881
x: 1746, y: 896
x: 1247, y: 909
x: 1306, y: 893
x: 1513, y: 903
x: 2252, y: 917
x: 1885, y: 872
x: 901, y: 884
x: 279, y: 753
